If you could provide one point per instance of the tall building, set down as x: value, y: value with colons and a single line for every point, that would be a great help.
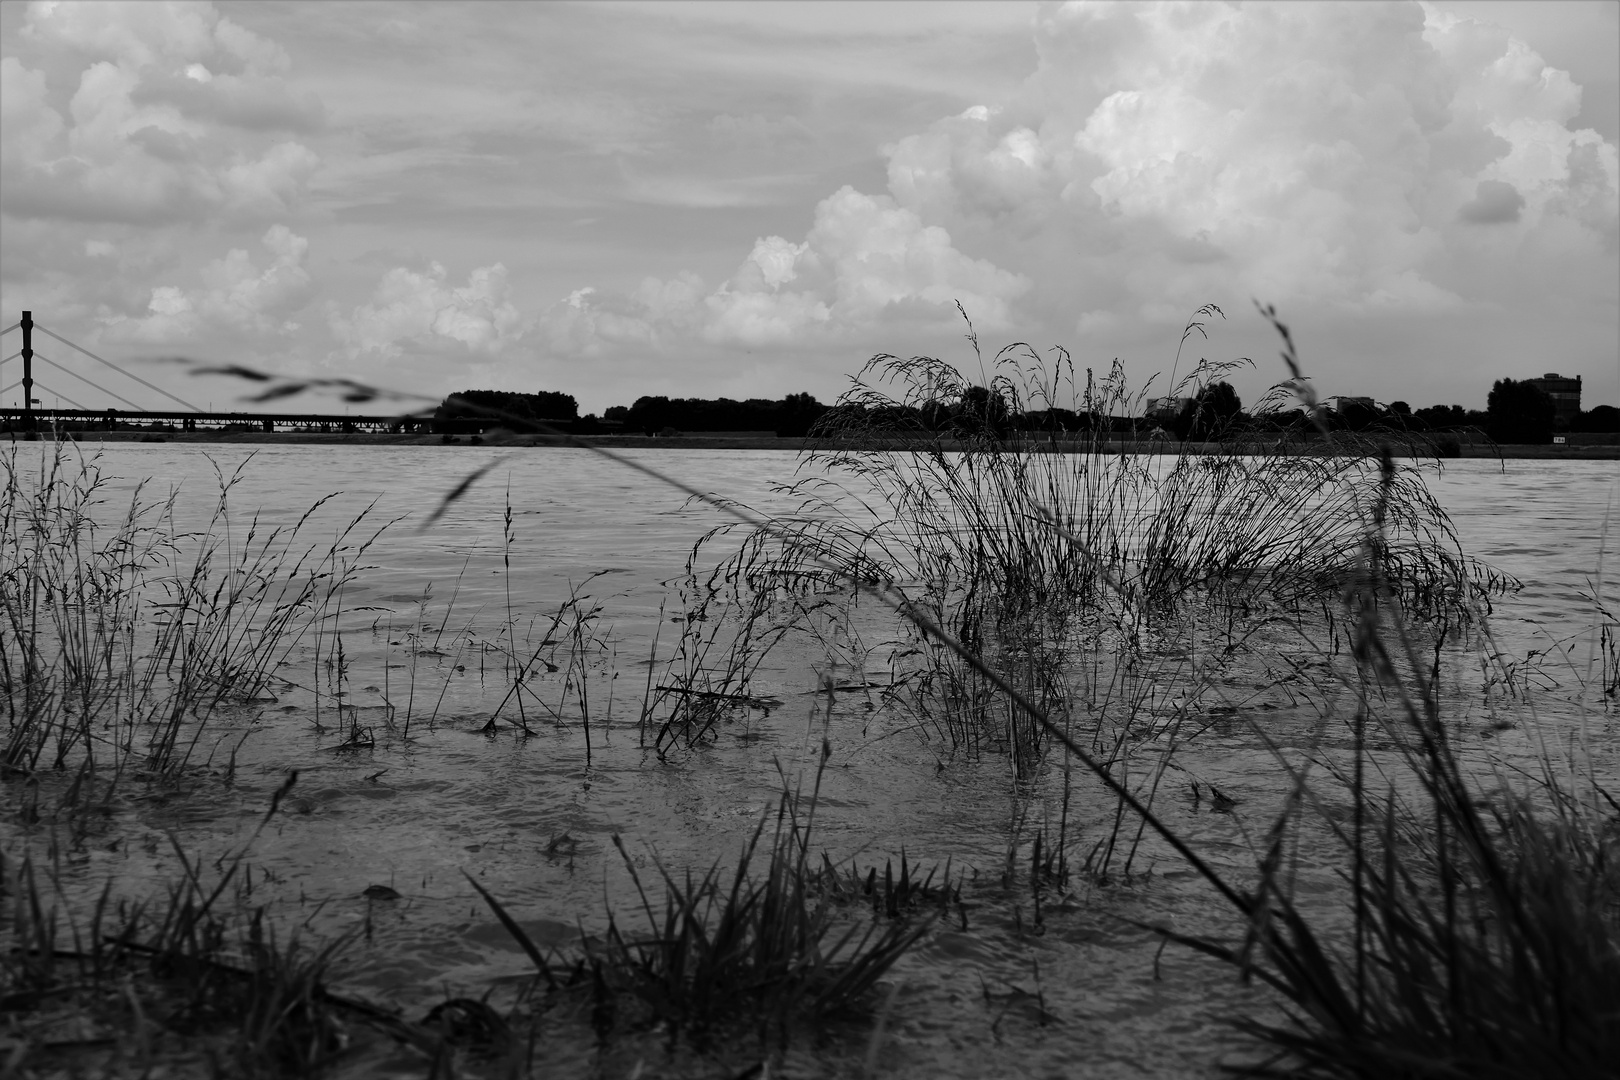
x: 1565, y: 394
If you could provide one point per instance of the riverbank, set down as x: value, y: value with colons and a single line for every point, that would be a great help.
x: 726, y: 441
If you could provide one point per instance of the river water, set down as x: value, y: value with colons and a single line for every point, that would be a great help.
x: 1006, y: 987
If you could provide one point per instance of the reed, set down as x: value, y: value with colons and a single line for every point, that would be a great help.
x: 1483, y: 933
x: 195, y: 972
x: 760, y: 946
x: 120, y: 640
x: 1074, y: 557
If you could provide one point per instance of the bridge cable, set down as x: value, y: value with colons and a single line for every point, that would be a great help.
x: 10, y: 328
x: 10, y: 388
x: 93, y: 385
x: 42, y: 388
x: 118, y: 369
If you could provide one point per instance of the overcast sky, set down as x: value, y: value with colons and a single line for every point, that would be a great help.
x: 750, y: 200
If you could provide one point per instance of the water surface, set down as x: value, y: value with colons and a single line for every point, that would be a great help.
x: 1020, y: 991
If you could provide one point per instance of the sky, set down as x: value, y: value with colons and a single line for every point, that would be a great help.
x: 750, y: 200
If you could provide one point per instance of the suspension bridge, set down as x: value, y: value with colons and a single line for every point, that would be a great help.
x: 32, y: 416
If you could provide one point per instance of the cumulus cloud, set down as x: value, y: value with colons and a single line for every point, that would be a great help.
x: 420, y: 312
x: 235, y: 299
x: 1383, y: 160
x: 1166, y: 153
x: 174, y: 117
x: 865, y: 262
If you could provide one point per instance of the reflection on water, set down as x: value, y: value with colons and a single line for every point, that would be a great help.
x: 430, y: 623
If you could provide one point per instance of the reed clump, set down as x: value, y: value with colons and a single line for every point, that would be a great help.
x: 1074, y: 549
x: 762, y: 947
x: 1483, y: 936
x: 121, y: 636
x: 192, y: 974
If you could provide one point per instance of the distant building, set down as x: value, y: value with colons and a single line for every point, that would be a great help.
x: 1565, y: 394
x: 1167, y: 408
x: 1345, y: 403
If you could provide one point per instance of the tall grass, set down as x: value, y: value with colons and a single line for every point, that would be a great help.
x: 1080, y: 560
x: 121, y: 635
x: 1483, y: 937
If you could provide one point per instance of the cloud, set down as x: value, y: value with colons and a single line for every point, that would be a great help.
x: 142, y: 35
x: 266, y: 103
x: 1162, y: 154
x: 866, y: 262
x: 419, y: 312
x: 1331, y: 158
x: 236, y: 298
x: 1307, y: 153
x: 1494, y: 203
x: 172, y: 118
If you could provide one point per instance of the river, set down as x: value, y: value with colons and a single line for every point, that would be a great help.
x: 1020, y: 990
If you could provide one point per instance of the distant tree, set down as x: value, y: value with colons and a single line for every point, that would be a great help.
x: 616, y: 413
x: 981, y: 411
x: 1401, y: 412
x: 793, y: 415
x: 1354, y: 414
x: 477, y: 410
x: 1215, y: 411
x: 1441, y: 417
x: 1056, y: 421
x: 937, y: 415
x: 1598, y: 418
x: 649, y: 415
x: 1518, y: 412
x: 797, y: 415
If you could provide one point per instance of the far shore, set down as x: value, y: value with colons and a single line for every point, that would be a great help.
x: 700, y: 441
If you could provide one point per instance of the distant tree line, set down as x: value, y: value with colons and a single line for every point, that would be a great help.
x: 473, y: 411
x: 1516, y: 412
x: 792, y: 416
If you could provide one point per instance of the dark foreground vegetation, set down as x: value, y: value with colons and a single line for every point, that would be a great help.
x: 1068, y: 614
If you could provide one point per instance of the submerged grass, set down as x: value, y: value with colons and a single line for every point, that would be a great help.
x: 763, y: 947
x: 195, y: 980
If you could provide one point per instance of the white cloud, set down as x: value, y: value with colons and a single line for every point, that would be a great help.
x: 236, y: 298
x: 421, y: 312
x: 1306, y: 153
x: 168, y: 121
x: 1372, y: 160
x: 865, y: 262
x: 140, y: 35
